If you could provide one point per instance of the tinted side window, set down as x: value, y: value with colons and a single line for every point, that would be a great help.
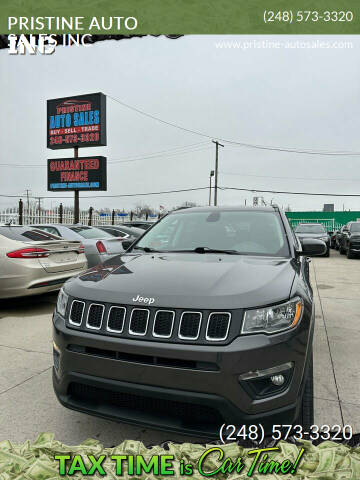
x: 51, y: 230
x: 24, y: 234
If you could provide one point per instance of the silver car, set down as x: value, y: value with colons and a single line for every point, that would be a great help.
x: 99, y: 245
x: 34, y: 262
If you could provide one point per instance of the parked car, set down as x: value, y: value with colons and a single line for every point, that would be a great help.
x: 143, y: 224
x: 34, y: 262
x: 122, y: 231
x: 314, y: 230
x: 349, y: 240
x: 99, y: 245
x: 214, y: 328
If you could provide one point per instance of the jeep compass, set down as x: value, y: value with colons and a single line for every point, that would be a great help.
x: 207, y: 319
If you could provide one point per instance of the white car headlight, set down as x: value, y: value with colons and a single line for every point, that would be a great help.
x: 62, y: 301
x: 273, y: 319
x: 324, y: 239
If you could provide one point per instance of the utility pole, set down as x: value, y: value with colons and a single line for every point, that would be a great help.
x: 76, y: 194
x: 211, y: 175
x: 216, y: 169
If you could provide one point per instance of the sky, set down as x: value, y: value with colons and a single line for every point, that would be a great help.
x: 262, y: 94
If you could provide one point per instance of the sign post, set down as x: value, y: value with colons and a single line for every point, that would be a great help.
x: 76, y: 194
x: 74, y: 122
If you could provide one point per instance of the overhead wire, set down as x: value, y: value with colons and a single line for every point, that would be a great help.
x: 231, y: 141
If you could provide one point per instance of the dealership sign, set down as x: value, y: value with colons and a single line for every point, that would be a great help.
x: 82, y: 173
x: 78, y: 121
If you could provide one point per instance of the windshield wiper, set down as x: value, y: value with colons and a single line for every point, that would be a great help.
x: 207, y: 250
x: 145, y: 249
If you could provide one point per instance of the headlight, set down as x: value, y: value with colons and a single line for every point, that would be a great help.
x: 273, y: 319
x: 324, y: 239
x: 62, y: 302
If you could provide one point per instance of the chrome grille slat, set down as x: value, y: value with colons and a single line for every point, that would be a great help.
x: 163, y: 323
x: 76, y: 304
x: 112, y: 321
x: 137, y: 320
x: 222, y: 325
x: 96, y: 309
x: 185, y: 324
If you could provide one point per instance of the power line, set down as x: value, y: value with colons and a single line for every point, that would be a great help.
x: 196, y: 147
x: 293, y: 178
x: 198, y: 188
x: 234, y: 142
x: 256, y: 190
x: 194, y: 150
x: 122, y: 195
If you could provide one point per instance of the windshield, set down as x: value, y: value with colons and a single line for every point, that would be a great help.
x: 244, y: 232
x: 310, y: 229
x: 91, y: 232
x: 355, y: 227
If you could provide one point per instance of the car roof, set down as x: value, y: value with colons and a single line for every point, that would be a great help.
x: 240, y: 208
x: 60, y: 225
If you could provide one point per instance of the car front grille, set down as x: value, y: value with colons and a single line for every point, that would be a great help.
x: 155, y: 324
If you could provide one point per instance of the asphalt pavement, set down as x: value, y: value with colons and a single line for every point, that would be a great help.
x: 28, y: 405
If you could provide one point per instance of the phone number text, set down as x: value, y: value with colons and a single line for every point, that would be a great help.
x: 308, y: 16
x: 256, y: 432
x: 74, y: 138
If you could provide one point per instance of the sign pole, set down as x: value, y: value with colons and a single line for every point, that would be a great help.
x: 216, y: 170
x: 76, y: 194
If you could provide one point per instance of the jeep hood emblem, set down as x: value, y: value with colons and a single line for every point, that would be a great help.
x: 146, y: 300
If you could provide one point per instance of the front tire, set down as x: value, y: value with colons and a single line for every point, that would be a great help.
x: 306, y: 415
x: 349, y: 254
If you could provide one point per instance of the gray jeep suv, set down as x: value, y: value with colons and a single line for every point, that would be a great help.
x: 206, y: 319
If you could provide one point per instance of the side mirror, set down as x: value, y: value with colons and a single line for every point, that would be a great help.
x: 312, y: 247
x: 127, y: 244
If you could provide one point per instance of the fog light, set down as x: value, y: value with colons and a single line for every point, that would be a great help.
x: 278, y: 380
x: 268, y: 382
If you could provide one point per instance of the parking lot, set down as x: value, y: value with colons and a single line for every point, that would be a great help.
x: 28, y: 405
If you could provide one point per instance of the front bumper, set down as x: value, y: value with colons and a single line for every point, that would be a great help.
x: 195, y: 400
x: 26, y: 282
x: 354, y: 246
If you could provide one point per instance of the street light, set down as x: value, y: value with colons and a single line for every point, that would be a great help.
x: 212, y: 173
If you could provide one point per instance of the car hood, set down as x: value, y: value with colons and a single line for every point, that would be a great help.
x: 181, y: 280
x: 312, y: 235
